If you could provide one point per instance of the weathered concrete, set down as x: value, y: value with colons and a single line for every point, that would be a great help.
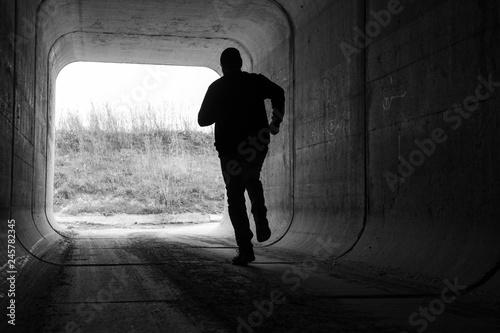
x: 340, y: 169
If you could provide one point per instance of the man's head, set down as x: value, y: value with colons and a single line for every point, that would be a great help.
x: 230, y: 60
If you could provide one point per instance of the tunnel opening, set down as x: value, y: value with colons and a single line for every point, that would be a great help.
x: 168, y: 33
x: 128, y: 150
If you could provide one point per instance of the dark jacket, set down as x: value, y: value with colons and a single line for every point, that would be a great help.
x: 235, y: 103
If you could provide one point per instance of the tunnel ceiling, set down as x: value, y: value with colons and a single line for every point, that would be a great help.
x: 174, y: 32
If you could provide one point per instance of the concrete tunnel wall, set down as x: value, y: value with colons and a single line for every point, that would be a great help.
x: 350, y: 119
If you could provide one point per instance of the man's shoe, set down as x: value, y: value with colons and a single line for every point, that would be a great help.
x: 263, y: 234
x: 243, y: 258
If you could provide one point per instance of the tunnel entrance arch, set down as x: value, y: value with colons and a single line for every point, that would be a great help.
x: 178, y: 33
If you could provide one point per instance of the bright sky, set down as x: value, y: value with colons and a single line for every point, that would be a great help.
x: 126, y: 86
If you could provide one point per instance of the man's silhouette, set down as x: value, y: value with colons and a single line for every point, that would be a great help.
x: 235, y: 103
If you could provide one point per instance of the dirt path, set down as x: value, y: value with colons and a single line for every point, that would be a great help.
x: 128, y: 221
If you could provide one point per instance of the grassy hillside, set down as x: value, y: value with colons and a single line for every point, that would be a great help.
x: 105, y: 168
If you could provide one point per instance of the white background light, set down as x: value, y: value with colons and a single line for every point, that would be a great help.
x: 82, y: 83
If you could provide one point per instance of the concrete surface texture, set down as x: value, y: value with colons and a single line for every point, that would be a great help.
x: 382, y: 187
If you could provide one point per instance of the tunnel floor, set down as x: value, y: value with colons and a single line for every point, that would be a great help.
x: 181, y: 280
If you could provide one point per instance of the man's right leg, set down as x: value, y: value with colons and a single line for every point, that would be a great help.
x: 259, y: 210
x: 235, y: 189
x: 256, y: 194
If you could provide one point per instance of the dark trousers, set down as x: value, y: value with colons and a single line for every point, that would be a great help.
x: 240, y: 174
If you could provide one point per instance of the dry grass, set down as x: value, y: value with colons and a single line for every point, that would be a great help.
x: 145, y: 165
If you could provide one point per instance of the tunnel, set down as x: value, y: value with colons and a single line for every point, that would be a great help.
x: 382, y: 186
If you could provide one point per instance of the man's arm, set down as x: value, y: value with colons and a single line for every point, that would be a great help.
x: 277, y: 96
x: 207, y: 114
x: 276, y: 120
